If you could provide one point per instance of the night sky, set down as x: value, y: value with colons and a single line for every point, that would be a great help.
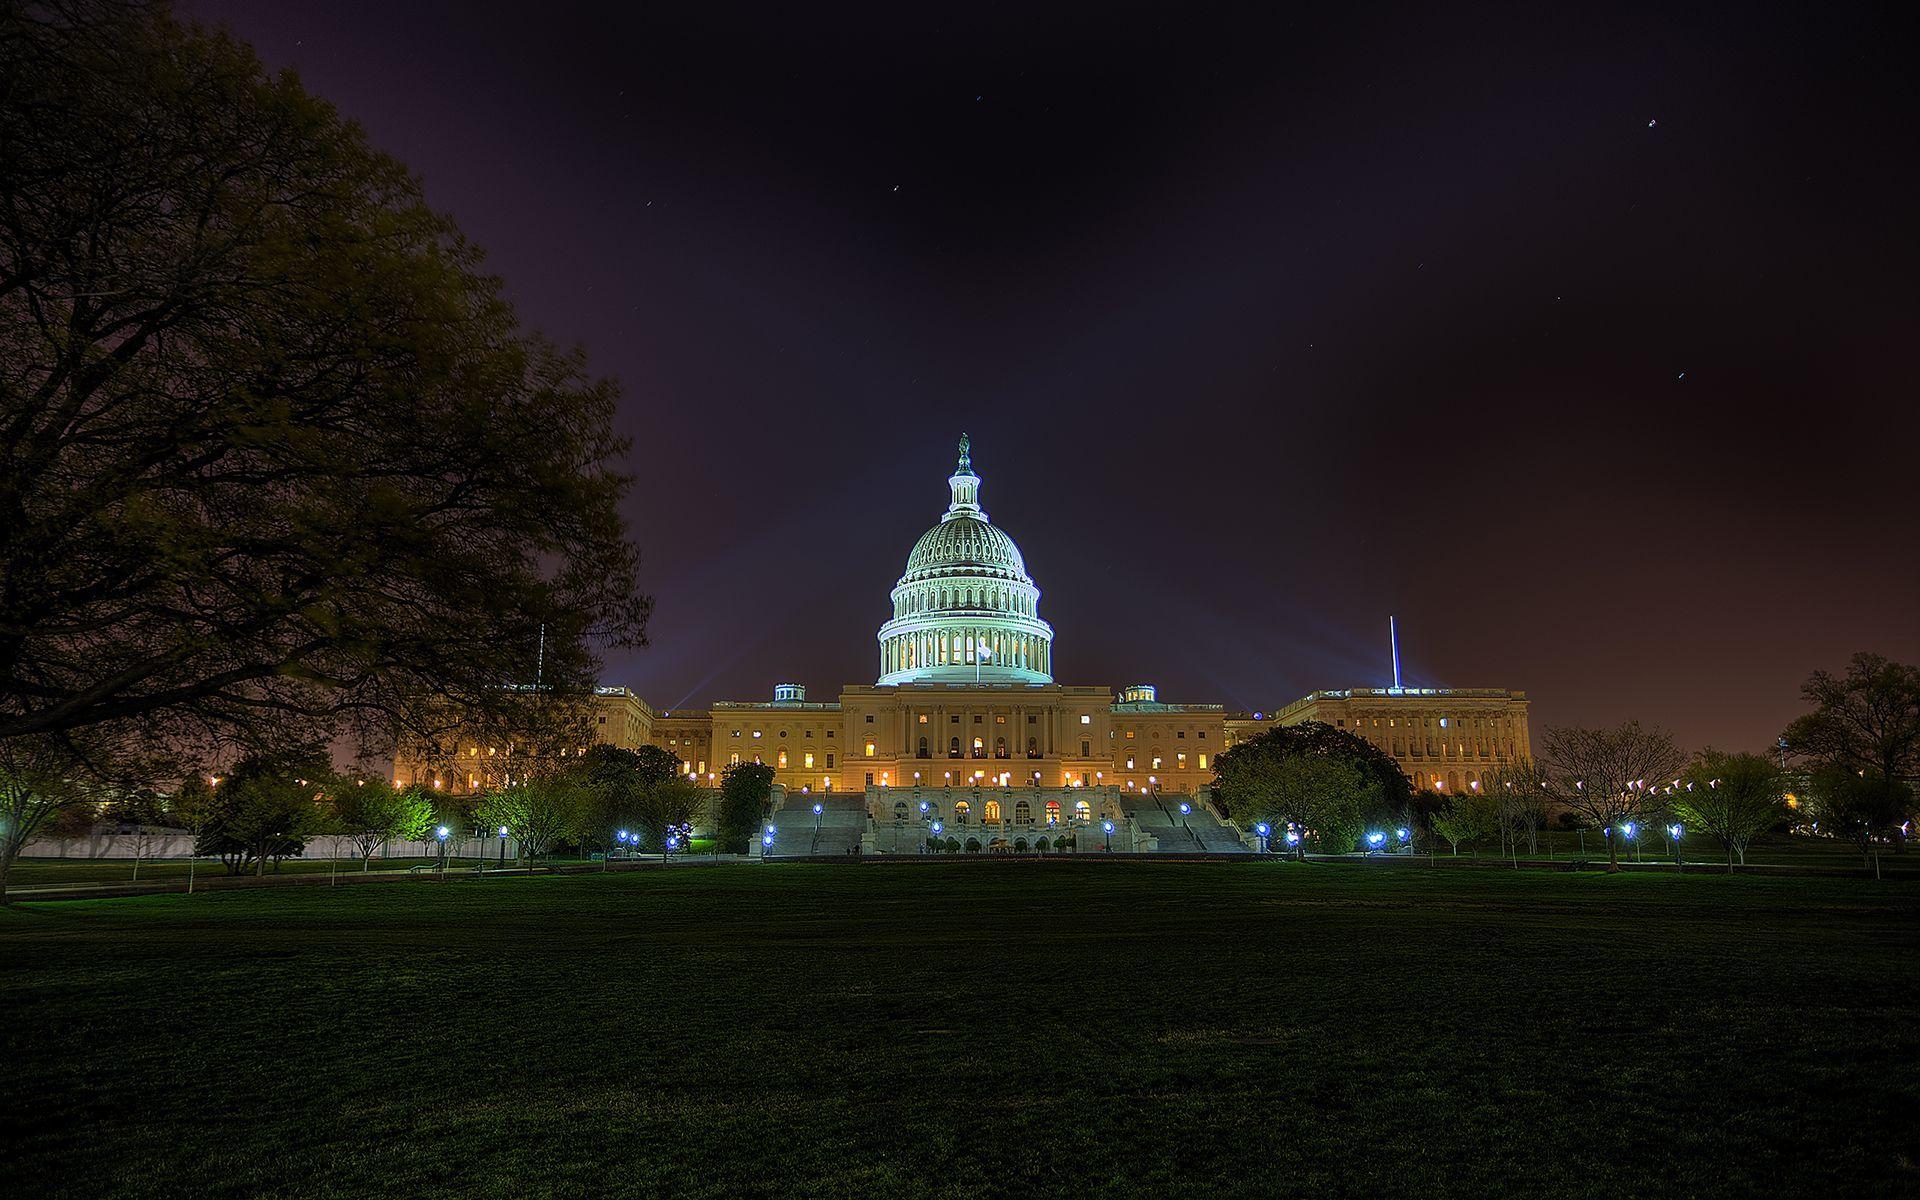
x: 1585, y: 343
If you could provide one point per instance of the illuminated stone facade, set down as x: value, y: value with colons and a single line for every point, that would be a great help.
x: 966, y: 718
x: 1445, y: 739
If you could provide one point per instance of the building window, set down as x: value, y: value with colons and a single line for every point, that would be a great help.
x: 923, y: 718
x: 733, y: 760
x: 1022, y: 811
x: 1086, y: 748
x: 1053, y: 812
x: 999, y: 747
x: 953, y: 747
x: 1203, y: 762
x: 922, y: 751
x: 1082, y: 811
x: 961, y: 811
x: 829, y: 760
x: 869, y: 749
x: 899, y: 810
x: 1129, y: 735
x: 781, y: 762
x: 979, y: 747
x: 869, y: 778
x: 1085, y: 719
x: 1181, y: 734
x: 1000, y: 720
x: 1156, y: 762
x: 1182, y: 759
x: 809, y: 760
x: 993, y: 811
x: 1032, y: 719
x: 869, y: 718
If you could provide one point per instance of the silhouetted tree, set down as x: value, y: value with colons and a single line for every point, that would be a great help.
x: 1862, y: 806
x: 1608, y: 775
x: 1866, y: 720
x: 275, y: 455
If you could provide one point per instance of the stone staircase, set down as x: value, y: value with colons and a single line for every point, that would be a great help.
x: 837, y: 830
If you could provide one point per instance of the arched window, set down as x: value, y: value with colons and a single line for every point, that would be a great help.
x: 1082, y: 811
x: 782, y: 760
x: 993, y: 811
x: 1022, y: 811
x: 899, y: 810
x: 999, y: 747
x: 962, y: 812
x: 953, y: 747
x: 1033, y: 747
x: 1053, y: 812
x: 923, y: 748
x: 979, y: 747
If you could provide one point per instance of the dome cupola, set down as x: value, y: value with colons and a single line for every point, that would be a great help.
x: 966, y: 609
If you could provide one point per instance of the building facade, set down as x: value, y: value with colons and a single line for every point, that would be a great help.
x: 965, y: 719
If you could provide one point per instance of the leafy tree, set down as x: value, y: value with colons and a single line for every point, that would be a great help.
x: 39, y: 782
x: 1731, y: 797
x: 139, y: 817
x: 275, y: 454
x: 1326, y: 796
x: 744, y: 791
x: 1466, y: 819
x: 1608, y: 775
x: 372, y: 812
x: 667, y: 805
x: 1862, y: 806
x: 538, y: 811
x: 1237, y: 767
x: 611, y: 780
x: 1866, y: 720
x: 264, y: 810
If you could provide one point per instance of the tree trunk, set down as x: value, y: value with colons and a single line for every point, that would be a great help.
x: 6, y: 869
x: 1613, y: 855
x: 1730, y: 858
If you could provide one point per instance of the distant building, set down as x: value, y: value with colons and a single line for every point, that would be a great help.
x: 1445, y: 739
x: 965, y: 726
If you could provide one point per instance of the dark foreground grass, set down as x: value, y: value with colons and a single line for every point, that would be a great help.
x: 984, y: 1028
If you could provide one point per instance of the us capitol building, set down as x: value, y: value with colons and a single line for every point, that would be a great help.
x: 965, y: 737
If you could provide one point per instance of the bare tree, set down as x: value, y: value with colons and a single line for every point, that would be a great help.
x: 1525, y: 799
x: 1607, y: 776
x: 1866, y: 720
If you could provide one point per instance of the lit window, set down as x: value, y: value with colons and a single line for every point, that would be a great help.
x: 756, y: 733
x: 1085, y: 719
x: 923, y: 718
x: 782, y: 762
x: 809, y: 760
x: 869, y: 749
x: 1203, y: 762
x: 1129, y: 735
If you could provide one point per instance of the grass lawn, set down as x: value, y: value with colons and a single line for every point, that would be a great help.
x: 971, y: 1029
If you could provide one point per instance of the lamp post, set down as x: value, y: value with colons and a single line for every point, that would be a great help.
x: 1293, y: 839
x: 441, y: 833
x: 1674, y: 833
x: 1627, y: 830
x: 818, y: 810
x: 1106, y: 827
x: 936, y: 827
x: 1262, y: 829
x: 503, y: 847
x: 1374, y: 841
x: 1186, y: 808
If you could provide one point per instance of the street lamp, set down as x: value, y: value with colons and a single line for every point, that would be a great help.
x: 1374, y: 840
x: 1674, y: 833
x: 442, y: 833
x: 1406, y: 837
x: 936, y: 827
x: 1263, y: 830
x: 1106, y: 827
x: 1627, y: 831
x: 503, y: 847
x: 818, y: 809
x: 1293, y: 839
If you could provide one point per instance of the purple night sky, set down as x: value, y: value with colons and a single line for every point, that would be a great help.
x: 1583, y: 342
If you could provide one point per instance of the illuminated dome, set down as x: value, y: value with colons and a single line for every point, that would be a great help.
x: 966, y: 609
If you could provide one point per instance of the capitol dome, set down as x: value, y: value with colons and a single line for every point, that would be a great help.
x: 966, y: 610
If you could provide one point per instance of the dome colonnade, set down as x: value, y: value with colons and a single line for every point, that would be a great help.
x: 965, y: 609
